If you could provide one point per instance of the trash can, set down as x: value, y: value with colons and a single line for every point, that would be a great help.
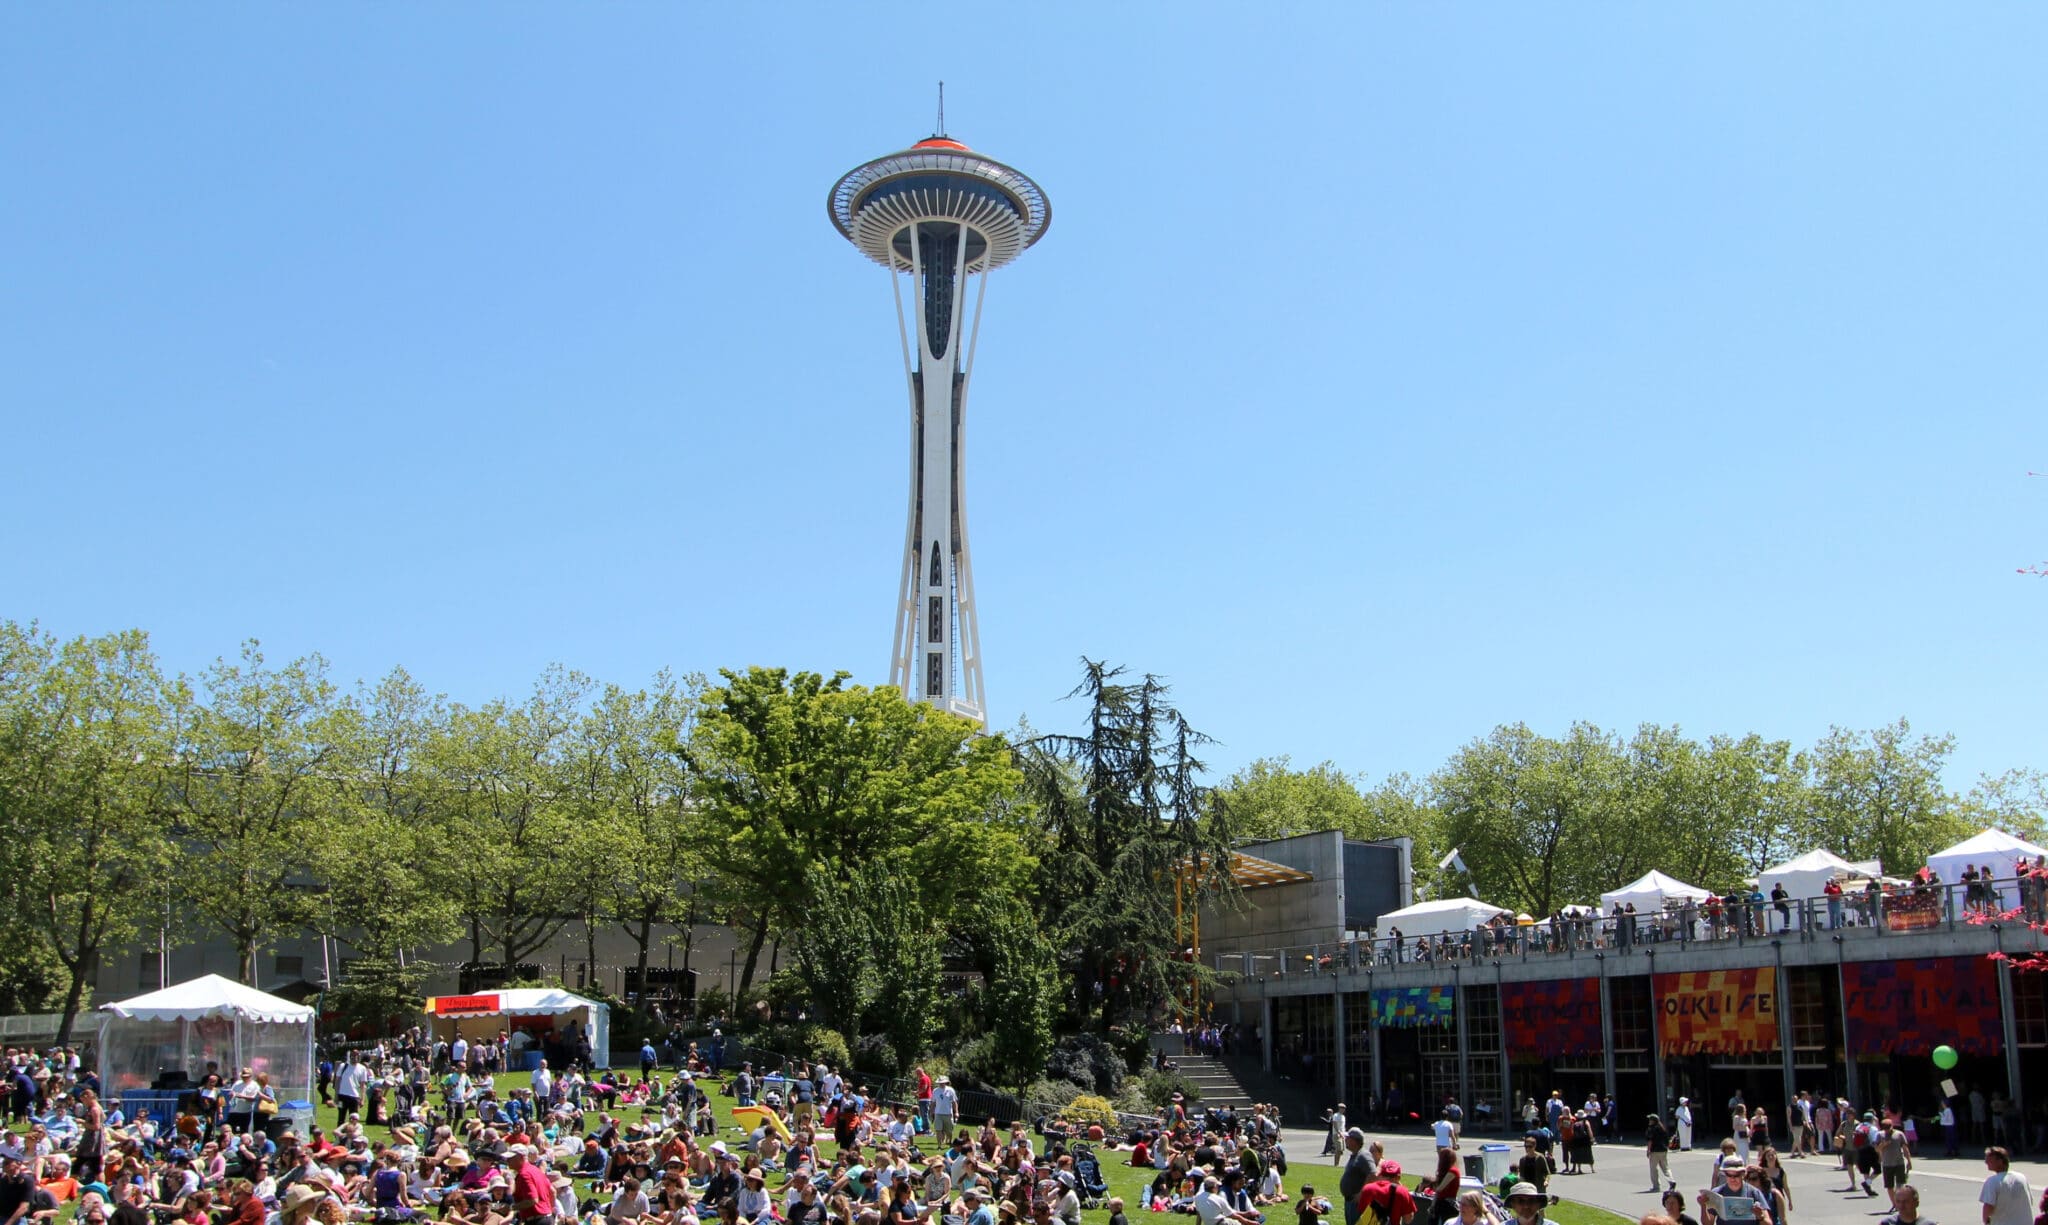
x: 1495, y: 1163
x: 529, y: 1059
x: 294, y: 1116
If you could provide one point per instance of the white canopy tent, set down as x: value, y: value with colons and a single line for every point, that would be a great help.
x: 546, y: 1014
x: 1808, y: 875
x: 1999, y: 850
x: 1455, y: 914
x: 210, y: 1019
x: 1649, y: 893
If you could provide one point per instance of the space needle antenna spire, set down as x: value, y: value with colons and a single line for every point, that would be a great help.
x: 940, y: 217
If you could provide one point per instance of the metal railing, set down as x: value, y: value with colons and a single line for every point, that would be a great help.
x: 1891, y: 910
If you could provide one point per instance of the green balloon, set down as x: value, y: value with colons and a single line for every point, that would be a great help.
x: 1945, y: 1057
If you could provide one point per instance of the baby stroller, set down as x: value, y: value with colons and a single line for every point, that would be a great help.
x: 1094, y: 1187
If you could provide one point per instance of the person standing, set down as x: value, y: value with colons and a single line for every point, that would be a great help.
x: 1660, y: 1154
x: 1684, y: 1124
x: 1893, y: 1157
x: 1947, y: 1118
x: 945, y: 1105
x: 533, y: 1192
x: 1359, y: 1169
x: 1333, y: 1142
x: 1446, y: 1133
x: 2006, y: 1197
x: 348, y: 1086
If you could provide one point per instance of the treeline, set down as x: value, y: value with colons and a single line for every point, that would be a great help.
x: 1541, y: 821
x: 884, y: 848
x: 257, y: 800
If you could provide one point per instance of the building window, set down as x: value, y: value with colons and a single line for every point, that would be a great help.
x: 1811, y: 1030
x: 938, y: 569
x: 152, y: 974
x: 289, y: 967
x: 936, y: 630
x: 2030, y: 1009
x: 934, y: 674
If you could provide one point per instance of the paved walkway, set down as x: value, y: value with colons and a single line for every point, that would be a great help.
x: 1948, y: 1188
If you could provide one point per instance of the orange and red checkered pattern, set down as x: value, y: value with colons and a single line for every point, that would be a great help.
x: 1717, y: 1012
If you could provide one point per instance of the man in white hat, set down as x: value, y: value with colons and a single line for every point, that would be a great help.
x: 1684, y: 1124
x: 1527, y: 1203
x: 945, y: 1104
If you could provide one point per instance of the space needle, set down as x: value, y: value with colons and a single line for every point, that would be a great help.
x: 939, y: 213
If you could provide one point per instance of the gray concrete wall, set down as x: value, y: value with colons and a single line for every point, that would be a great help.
x: 1306, y: 912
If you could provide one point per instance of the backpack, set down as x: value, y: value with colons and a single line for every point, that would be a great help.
x: 1860, y: 1138
x: 1370, y: 1211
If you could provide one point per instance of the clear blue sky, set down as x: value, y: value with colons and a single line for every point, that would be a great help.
x: 1388, y: 372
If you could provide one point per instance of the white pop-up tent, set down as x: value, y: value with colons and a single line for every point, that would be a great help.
x: 1649, y: 893
x: 1452, y: 914
x: 210, y: 1019
x: 550, y: 1016
x: 1808, y: 875
x: 1993, y: 848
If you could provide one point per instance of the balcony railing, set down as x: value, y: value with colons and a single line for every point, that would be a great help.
x: 1892, y: 910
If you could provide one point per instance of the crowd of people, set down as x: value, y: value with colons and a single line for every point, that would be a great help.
x: 454, y: 1131
x: 1738, y: 914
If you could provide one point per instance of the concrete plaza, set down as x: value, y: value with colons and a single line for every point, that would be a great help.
x: 1621, y: 1182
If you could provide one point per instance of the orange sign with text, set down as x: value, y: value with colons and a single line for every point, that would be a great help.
x: 1717, y: 1012
x: 454, y: 1005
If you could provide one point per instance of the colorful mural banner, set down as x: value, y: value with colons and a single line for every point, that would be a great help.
x: 1413, y: 1007
x: 1911, y: 1007
x: 1717, y: 1012
x: 1546, y: 1020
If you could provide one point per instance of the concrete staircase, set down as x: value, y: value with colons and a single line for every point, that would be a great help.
x: 1301, y: 1105
x: 1218, y: 1083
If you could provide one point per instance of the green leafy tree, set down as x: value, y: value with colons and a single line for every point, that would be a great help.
x: 1022, y: 993
x: 633, y: 807
x: 2015, y: 801
x: 1879, y: 795
x: 1523, y: 810
x: 908, y: 949
x: 378, y: 990
x: 506, y: 816
x: 83, y: 833
x: 834, y: 959
x: 799, y: 779
x: 1125, y: 818
x: 262, y: 776
x: 376, y: 885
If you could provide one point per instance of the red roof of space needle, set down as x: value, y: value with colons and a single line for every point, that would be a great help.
x: 941, y: 142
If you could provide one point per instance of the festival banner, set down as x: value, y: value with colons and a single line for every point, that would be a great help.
x: 1717, y: 1012
x: 1412, y: 1007
x: 1547, y: 1020
x: 458, y: 1005
x: 1911, y: 1007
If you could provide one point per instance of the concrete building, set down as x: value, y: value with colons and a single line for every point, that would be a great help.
x: 1846, y: 1006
